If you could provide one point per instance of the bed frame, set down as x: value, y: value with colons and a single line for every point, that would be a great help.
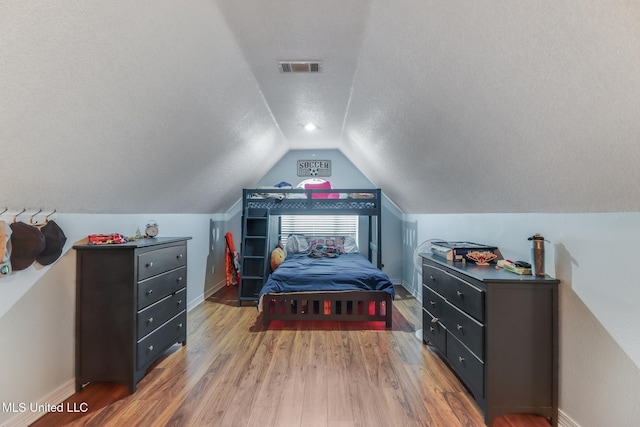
x: 362, y: 306
x: 333, y: 306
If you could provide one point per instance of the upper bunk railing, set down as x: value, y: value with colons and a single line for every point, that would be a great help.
x: 299, y: 201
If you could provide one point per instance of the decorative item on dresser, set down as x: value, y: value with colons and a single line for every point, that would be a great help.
x: 131, y: 303
x: 498, y: 331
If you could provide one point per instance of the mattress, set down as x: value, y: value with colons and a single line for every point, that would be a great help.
x: 347, y: 272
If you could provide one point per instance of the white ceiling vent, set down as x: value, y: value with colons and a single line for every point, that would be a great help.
x: 300, y: 66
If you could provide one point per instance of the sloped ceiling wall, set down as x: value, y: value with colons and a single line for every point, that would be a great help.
x: 128, y: 107
x: 500, y: 106
x: 160, y: 106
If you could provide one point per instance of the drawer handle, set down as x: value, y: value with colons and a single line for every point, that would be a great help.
x: 150, y: 264
x: 433, y: 279
x: 460, y: 359
x: 459, y: 293
x: 179, y: 302
x: 179, y: 279
x: 179, y: 256
x: 150, y: 291
x: 150, y: 348
x: 435, y: 320
x: 150, y: 320
x: 179, y: 325
x: 460, y: 327
x: 432, y: 303
x: 432, y: 329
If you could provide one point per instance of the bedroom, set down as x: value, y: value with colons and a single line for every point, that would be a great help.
x: 99, y: 154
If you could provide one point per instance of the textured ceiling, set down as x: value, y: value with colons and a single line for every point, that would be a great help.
x: 155, y: 106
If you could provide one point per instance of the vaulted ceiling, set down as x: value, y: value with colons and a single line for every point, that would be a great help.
x: 448, y: 106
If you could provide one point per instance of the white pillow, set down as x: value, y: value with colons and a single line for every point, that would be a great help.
x: 350, y: 245
x: 297, y: 244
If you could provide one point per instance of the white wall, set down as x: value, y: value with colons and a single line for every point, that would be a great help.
x: 37, y: 305
x: 590, y: 254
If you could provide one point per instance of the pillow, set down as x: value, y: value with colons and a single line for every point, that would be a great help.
x: 323, y: 244
x: 323, y: 185
x: 297, y: 244
x: 350, y: 245
x: 277, y: 257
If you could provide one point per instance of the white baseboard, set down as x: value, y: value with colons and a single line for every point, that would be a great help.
x: 55, y: 398
x: 565, y: 421
x: 200, y: 299
x: 214, y: 289
x: 413, y: 291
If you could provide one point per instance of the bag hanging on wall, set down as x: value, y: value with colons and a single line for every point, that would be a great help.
x: 232, y: 261
x: 5, y: 249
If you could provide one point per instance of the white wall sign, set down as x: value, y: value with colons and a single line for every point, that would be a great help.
x: 314, y: 167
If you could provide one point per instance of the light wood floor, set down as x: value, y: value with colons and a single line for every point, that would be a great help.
x: 235, y: 372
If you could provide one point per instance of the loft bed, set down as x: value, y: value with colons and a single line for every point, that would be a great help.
x: 313, y: 301
x: 362, y: 202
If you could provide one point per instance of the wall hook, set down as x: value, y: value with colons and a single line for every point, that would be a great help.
x: 46, y: 218
x: 15, y: 217
x: 34, y: 214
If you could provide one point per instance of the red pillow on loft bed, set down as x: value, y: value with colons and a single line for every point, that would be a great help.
x: 322, y: 185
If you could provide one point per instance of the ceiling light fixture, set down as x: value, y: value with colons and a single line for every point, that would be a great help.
x: 310, y: 127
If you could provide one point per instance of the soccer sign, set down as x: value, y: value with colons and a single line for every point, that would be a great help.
x: 314, y: 167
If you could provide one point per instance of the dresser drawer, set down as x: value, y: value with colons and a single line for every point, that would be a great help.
x: 158, y: 287
x: 470, y: 369
x: 161, y: 260
x: 160, y: 339
x: 469, y: 331
x: 435, y: 278
x: 433, y: 303
x: 156, y: 314
x: 433, y: 332
x: 466, y: 297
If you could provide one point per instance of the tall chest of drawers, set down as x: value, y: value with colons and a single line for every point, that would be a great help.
x: 130, y: 307
x: 498, y: 331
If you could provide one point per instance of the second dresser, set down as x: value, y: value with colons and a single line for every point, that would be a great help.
x: 498, y: 331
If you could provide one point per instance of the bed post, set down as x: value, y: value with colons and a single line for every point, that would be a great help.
x: 389, y: 312
x: 379, y: 225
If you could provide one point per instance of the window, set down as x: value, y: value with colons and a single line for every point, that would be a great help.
x: 318, y: 225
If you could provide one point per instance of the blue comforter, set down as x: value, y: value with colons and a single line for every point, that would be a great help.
x: 300, y: 273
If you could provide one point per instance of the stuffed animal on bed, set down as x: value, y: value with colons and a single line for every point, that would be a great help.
x: 277, y: 257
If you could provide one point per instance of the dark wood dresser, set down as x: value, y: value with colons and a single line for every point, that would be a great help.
x: 131, y: 304
x: 498, y: 331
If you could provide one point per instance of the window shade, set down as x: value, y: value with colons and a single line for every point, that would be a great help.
x: 318, y: 225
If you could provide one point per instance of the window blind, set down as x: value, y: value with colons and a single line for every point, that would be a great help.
x: 318, y: 225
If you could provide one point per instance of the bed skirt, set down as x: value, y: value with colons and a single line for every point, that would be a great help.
x: 361, y: 306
